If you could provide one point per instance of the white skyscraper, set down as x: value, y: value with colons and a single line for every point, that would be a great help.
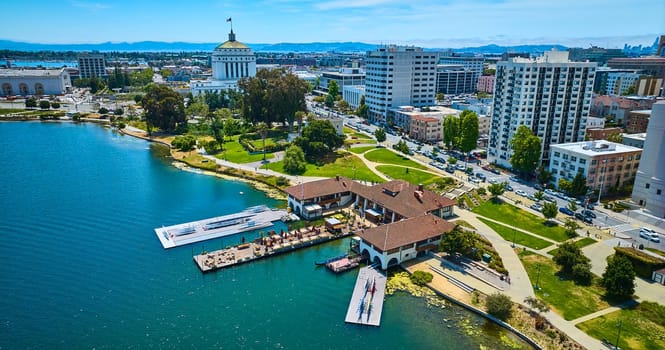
x: 649, y: 187
x: 550, y: 94
x: 399, y: 76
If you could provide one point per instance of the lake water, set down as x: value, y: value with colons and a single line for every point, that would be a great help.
x: 80, y: 266
x: 45, y: 64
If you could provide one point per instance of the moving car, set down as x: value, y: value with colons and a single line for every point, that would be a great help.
x: 566, y: 211
x: 586, y: 219
x: 589, y: 213
x: 508, y: 187
x: 481, y: 176
x: 521, y: 193
x: 649, y: 234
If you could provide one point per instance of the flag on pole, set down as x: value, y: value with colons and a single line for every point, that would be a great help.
x: 228, y: 19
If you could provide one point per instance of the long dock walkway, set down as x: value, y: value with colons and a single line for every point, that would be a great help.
x: 366, y: 302
x: 253, y: 218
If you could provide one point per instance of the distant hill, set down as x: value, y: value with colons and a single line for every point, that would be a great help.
x: 157, y: 46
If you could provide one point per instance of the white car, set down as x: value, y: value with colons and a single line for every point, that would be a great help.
x: 649, y: 234
x: 521, y: 193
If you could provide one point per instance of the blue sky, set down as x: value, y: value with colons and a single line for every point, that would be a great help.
x: 447, y: 23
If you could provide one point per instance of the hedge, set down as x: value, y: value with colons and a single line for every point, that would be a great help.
x: 643, y: 263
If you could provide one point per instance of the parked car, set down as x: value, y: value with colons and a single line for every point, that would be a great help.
x: 536, y: 207
x: 566, y: 211
x: 521, y: 193
x: 515, y: 179
x: 460, y: 166
x: 495, y: 171
x: 533, y: 198
x: 481, y: 176
x: 587, y: 212
x: 450, y: 169
x: 474, y: 179
x: 508, y: 187
x: 586, y: 219
x: 493, y: 180
x: 548, y: 199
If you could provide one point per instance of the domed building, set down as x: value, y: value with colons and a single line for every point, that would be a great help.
x: 231, y: 61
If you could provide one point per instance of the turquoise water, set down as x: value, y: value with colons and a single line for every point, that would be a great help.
x: 45, y: 64
x: 80, y: 266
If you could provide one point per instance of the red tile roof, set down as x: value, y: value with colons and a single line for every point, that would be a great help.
x: 309, y: 190
x: 405, y: 232
x: 403, y: 198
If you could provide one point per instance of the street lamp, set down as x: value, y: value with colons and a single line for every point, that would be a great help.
x: 616, y: 345
x: 537, y: 287
x: 514, y: 233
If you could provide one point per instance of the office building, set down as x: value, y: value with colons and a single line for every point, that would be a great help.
x: 454, y: 79
x: 595, y: 54
x: 638, y: 121
x: 399, y: 76
x: 550, y: 95
x: 486, y: 84
x: 343, y: 77
x: 604, y: 164
x: 352, y: 94
x: 92, y: 65
x: 472, y: 63
x: 649, y: 187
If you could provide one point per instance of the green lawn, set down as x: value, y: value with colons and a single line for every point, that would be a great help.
x: 234, y: 152
x: 580, y: 243
x: 11, y: 110
x: 385, y: 156
x: 642, y: 327
x: 343, y: 164
x: 514, y: 216
x: 413, y: 176
x: 521, y: 238
x: 362, y: 149
x: 566, y: 298
x: 654, y: 250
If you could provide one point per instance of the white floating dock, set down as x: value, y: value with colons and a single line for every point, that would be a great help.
x: 252, y: 218
x: 366, y: 302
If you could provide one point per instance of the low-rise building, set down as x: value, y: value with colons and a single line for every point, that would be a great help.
x: 337, y: 122
x: 638, y: 121
x: 484, y: 123
x: 26, y: 82
x: 595, y: 123
x: 604, y: 164
x: 352, y: 94
x: 602, y: 134
x: 404, y: 240
x: 634, y: 140
x: 424, y: 128
x: 401, y: 116
x: 486, y: 84
x: 343, y: 77
x: 618, y: 107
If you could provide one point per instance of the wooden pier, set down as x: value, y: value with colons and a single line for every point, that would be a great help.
x: 366, y: 302
x: 264, y: 247
x: 250, y: 219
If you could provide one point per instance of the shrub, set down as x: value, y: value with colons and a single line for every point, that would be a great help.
x: 582, y: 273
x: 644, y: 264
x: 421, y: 278
x: 499, y: 305
x: 55, y: 105
x: 103, y: 110
x: 43, y: 104
x: 282, y: 181
x: 184, y: 143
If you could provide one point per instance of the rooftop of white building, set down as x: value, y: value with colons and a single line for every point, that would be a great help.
x: 639, y: 136
x: 30, y: 72
x: 433, y: 111
x: 594, y: 148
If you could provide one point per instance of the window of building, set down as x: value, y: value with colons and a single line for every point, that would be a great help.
x: 658, y: 192
x: 647, y: 186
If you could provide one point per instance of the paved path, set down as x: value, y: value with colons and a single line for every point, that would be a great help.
x: 602, y: 312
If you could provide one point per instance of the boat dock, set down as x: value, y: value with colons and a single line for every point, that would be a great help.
x: 272, y: 244
x: 344, y: 264
x: 252, y: 218
x: 366, y: 302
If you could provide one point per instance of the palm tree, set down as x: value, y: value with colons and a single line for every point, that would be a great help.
x: 262, y: 129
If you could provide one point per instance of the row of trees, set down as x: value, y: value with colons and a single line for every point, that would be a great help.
x: 272, y: 96
x: 461, y: 132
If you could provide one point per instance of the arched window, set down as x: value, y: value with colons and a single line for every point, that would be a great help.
x: 39, y: 89
x: 23, y: 89
x: 7, y: 89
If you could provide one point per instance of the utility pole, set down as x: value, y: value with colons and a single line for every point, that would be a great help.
x: 537, y: 287
x: 616, y: 345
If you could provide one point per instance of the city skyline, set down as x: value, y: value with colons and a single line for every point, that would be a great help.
x: 450, y: 23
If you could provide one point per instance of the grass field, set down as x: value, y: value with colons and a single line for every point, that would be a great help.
x: 11, y: 110
x: 514, y: 216
x: 564, y: 296
x: 579, y: 243
x: 363, y: 149
x: 520, y: 238
x: 642, y: 327
x: 413, y: 176
x: 385, y: 156
x: 234, y: 152
x: 342, y: 164
x: 654, y: 250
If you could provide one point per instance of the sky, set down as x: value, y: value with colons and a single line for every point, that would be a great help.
x: 427, y: 23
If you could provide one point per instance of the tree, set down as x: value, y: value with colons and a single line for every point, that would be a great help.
x: 380, y: 135
x: 615, y: 137
x: 333, y: 89
x: 540, y: 307
x: 499, y: 305
x: 294, y: 160
x: 197, y: 108
x: 572, y: 206
x: 363, y: 109
x: 578, y: 187
x: 300, y: 116
x: 164, y: 108
x: 526, y: 150
x: 55, y: 105
x: 184, y: 143
x: 262, y: 129
x: 451, y: 130
x: 497, y: 189
x: 318, y: 138
x: 141, y: 78
x: 564, y: 185
x: 568, y: 255
x: 582, y: 273
x: 539, y: 195
x: 330, y: 101
x: 30, y: 102
x: 343, y: 106
x: 629, y: 91
x: 421, y: 278
x: 457, y: 241
x: 571, y: 227
x: 544, y: 176
x: 549, y: 210
x: 619, y: 277
x: 43, y: 104
x: 401, y: 146
x: 440, y: 97
x: 468, y: 139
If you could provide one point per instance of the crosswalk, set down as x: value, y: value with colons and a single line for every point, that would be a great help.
x: 622, y: 228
